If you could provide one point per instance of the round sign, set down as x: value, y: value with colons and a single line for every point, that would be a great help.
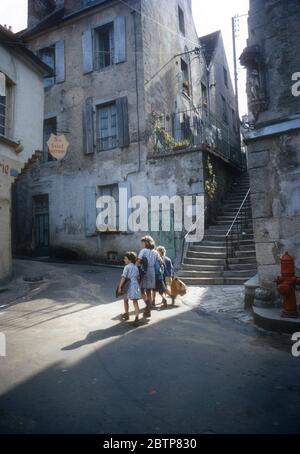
x: 58, y: 146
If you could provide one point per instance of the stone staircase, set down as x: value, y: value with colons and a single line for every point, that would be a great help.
x: 205, y: 262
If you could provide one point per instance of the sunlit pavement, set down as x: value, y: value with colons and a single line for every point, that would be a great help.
x: 72, y: 367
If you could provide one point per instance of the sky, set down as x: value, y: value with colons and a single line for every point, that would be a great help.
x: 209, y: 16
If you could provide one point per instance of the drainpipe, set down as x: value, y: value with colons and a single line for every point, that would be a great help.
x: 137, y: 91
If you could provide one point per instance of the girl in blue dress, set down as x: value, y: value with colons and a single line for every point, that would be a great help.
x: 130, y: 284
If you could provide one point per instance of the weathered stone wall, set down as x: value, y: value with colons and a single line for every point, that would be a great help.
x: 156, y: 42
x: 274, y: 161
x: 218, y: 88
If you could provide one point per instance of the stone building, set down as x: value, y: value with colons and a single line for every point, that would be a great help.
x: 272, y: 59
x: 128, y: 91
x: 21, y: 126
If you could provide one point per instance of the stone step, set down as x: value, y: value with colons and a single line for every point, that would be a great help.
x: 242, y: 266
x: 222, y: 243
x: 220, y: 230
x: 241, y: 260
x: 196, y: 273
x: 204, y: 248
x: 245, y: 247
x: 203, y: 281
x: 248, y: 253
x: 219, y: 237
x: 200, y: 281
x: 240, y: 273
x: 199, y: 255
x: 204, y: 261
x: 218, y: 268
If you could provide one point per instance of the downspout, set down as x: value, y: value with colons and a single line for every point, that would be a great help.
x: 137, y: 91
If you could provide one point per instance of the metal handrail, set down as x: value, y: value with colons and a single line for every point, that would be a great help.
x: 190, y: 231
x: 241, y: 207
x: 237, y: 222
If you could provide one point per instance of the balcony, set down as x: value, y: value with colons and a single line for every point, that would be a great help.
x: 195, y: 130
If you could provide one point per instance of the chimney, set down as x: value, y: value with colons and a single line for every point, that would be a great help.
x: 38, y: 9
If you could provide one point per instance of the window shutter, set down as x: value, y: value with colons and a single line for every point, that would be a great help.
x: 60, y: 61
x: 123, y: 123
x: 90, y: 211
x: 120, y: 39
x: 88, y: 127
x: 87, y: 50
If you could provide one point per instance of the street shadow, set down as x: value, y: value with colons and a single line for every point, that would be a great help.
x: 108, y: 333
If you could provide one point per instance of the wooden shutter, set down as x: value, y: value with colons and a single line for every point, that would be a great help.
x: 88, y: 127
x: 122, y: 122
x: 60, y: 61
x: 120, y: 39
x: 90, y: 211
x: 87, y: 51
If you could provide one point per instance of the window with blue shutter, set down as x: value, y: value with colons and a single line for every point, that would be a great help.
x: 104, y: 46
x: 107, y: 134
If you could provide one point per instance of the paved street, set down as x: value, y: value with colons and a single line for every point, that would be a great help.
x: 201, y: 367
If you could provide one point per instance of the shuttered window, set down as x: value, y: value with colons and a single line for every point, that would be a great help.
x: 111, y: 191
x: 47, y: 55
x: 181, y: 20
x: 104, y: 46
x: 54, y: 57
x: 6, y: 105
x: 106, y: 127
x: 2, y: 115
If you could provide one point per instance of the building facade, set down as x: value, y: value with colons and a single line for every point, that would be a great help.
x: 273, y: 136
x: 21, y: 126
x: 127, y: 94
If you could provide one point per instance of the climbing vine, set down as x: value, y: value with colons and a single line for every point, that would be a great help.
x: 211, y: 184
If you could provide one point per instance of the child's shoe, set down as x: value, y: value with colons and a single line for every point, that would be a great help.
x: 125, y: 317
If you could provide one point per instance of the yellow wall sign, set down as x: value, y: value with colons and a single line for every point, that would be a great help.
x: 58, y: 146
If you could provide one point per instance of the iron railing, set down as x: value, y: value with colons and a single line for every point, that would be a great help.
x: 197, y: 128
x: 236, y: 231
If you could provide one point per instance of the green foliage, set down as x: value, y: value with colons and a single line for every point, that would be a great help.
x: 211, y: 184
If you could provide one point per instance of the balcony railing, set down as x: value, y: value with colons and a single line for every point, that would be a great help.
x: 199, y: 130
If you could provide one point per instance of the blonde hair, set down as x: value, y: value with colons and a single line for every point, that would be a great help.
x: 162, y: 250
x: 149, y: 242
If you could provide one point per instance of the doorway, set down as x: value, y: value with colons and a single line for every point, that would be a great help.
x: 41, y: 224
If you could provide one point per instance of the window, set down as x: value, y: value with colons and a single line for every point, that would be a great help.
x: 104, y: 46
x: 47, y: 55
x: 50, y: 127
x: 224, y: 110
x: 107, y: 136
x: 181, y: 20
x: 225, y: 76
x: 185, y: 77
x: 204, y: 95
x: 5, y: 105
x: 113, y: 208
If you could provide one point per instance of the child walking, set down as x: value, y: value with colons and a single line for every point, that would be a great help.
x: 168, y: 276
x: 130, y: 283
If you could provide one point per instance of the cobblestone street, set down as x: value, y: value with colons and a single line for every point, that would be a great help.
x: 71, y: 366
